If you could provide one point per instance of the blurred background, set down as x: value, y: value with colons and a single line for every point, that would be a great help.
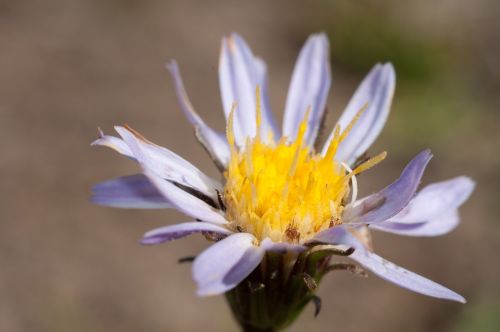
x: 69, y: 66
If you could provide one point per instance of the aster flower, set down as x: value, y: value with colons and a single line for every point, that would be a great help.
x: 285, y: 205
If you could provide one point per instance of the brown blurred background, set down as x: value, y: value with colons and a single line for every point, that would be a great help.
x: 68, y: 66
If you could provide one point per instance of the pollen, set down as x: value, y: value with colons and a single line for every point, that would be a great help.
x: 283, y: 190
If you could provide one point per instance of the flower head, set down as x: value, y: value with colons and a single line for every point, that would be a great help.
x: 279, y: 193
x: 284, y: 191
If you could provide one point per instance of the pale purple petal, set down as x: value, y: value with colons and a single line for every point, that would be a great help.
x: 226, y: 263
x: 376, y: 92
x: 385, y: 269
x: 309, y: 88
x: 281, y: 247
x: 168, y: 165
x: 398, y: 227
x: 174, y: 232
x: 162, y: 166
x: 334, y: 235
x: 131, y: 192
x: 435, y: 199
x: 392, y: 199
x: 214, y: 142
x: 240, y: 72
x: 114, y: 143
x: 185, y: 202
x: 402, y: 277
x: 433, y: 209
x: 436, y: 226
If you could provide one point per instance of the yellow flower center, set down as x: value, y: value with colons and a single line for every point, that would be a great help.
x: 285, y: 191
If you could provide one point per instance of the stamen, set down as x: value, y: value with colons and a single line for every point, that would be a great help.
x: 370, y: 163
x: 303, y: 127
x: 334, y: 143
x: 351, y: 124
x: 230, y: 126
x: 258, y: 111
x: 354, y: 182
x: 339, y: 137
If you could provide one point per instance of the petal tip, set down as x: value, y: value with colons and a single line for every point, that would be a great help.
x: 390, y: 74
x: 455, y: 297
x: 172, y: 66
x: 205, y: 293
x: 389, y: 66
x: 470, y: 183
x: 425, y: 155
x: 95, y: 142
x: 147, y: 242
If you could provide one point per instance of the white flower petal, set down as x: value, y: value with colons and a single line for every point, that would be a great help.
x: 167, y: 164
x: 392, y: 199
x: 435, y: 199
x: 129, y: 192
x: 177, y: 231
x: 309, y: 88
x: 114, y: 143
x: 433, y: 211
x: 281, y: 247
x: 402, y: 277
x: 185, y: 202
x: 385, y: 269
x: 436, y: 226
x: 226, y: 263
x: 214, y: 142
x: 240, y: 72
x: 376, y: 91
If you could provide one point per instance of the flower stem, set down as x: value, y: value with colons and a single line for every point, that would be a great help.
x: 249, y: 328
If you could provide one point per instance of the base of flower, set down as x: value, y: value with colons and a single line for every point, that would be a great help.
x: 277, y: 291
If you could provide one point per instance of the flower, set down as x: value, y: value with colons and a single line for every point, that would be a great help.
x: 280, y: 194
